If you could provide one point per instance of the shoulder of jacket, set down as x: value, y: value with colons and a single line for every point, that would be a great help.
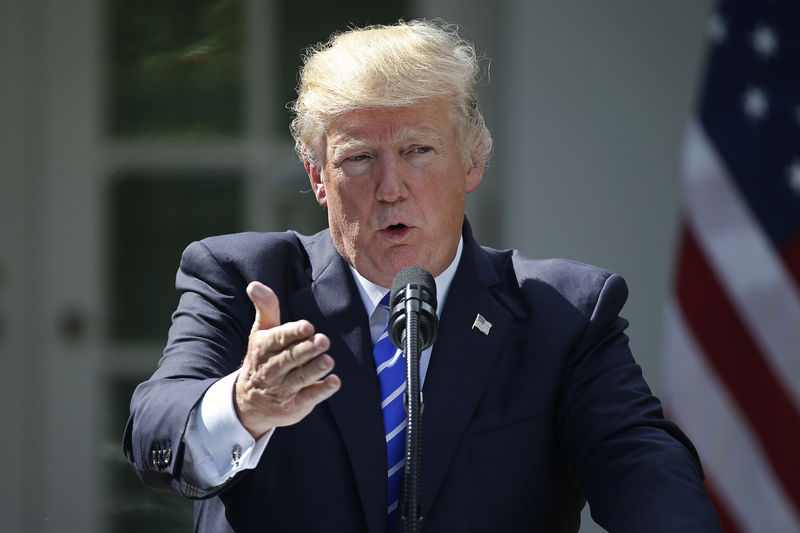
x: 251, y: 246
x: 538, y: 281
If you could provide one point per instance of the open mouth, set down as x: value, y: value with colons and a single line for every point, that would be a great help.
x: 396, y: 232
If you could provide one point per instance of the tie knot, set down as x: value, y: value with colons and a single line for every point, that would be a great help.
x: 385, y: 300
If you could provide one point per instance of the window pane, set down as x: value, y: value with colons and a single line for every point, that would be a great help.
x: 153, y: 217
x: 175, y: 68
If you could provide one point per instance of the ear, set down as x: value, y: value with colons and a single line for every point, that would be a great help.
x: 475, y: 172
x: 315, y: 178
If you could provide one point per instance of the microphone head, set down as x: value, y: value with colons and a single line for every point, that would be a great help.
x: 417, y: 286
x: 417, y: 275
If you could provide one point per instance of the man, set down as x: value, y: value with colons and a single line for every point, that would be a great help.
x: 523, y: 416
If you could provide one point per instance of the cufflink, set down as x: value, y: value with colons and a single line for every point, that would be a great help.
x: 236, y: 454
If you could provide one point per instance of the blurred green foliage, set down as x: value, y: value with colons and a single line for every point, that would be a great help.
x: 176, y: 68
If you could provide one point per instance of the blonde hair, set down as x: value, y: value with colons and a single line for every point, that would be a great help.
x: 389, y: 66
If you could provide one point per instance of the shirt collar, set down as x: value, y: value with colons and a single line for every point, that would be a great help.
x: 372, y: 293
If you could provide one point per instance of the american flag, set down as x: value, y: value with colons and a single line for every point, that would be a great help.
x: 732, y: 338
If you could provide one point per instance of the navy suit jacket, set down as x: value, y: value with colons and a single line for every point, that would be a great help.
x: 519, y: 425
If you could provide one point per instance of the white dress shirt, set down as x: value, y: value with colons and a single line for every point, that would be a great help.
x: 216, y: 444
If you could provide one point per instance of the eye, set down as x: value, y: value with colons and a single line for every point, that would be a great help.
x: 359, y: 157
x: 421, y: 149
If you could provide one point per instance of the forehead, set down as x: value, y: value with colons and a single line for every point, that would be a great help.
x: 429, y: 119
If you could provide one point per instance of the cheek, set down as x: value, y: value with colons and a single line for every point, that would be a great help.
x: 445, y: 190
x: 446, y: 203
x: 347, y: 208
x: 354, y: 194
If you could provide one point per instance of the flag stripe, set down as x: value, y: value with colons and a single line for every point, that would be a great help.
x: 790, y: 253
x: 727, y: 522
x: 732, y: 338
x: 753, y: 274
x: 737, y: 361
x: 731, y: 456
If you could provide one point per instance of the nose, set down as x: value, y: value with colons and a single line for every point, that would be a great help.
x: 390, y: 179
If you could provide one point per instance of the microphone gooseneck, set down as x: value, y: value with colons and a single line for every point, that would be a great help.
x: 413, y: 324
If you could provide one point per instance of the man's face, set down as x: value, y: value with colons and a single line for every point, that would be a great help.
x: 395, y: 183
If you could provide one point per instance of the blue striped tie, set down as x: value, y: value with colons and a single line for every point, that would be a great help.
x: 391, y: 370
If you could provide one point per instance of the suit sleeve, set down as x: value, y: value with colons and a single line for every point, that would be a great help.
x: 207, y: 340
x: 638, y: 471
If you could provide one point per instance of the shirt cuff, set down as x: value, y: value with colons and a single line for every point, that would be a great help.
x: 216, y: 444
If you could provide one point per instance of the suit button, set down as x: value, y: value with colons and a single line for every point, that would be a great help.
x: 160, y: 458
x: 167, y: 459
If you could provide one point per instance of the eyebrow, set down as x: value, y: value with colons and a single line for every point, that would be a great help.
x: 349, y: 144
x: 421, y: 134
x: 356, y: 142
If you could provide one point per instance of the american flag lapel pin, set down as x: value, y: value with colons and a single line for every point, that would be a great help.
x: 482, y: 324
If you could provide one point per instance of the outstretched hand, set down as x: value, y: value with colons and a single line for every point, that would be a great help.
x: 283, y: 374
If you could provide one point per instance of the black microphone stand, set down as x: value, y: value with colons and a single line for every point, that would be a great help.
x: 413, y: 325
x: 411, y: 474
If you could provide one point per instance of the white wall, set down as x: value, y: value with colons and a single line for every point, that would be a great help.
x: 598, y: 95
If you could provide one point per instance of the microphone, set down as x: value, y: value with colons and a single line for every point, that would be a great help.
x: 412, y: 327
x: 413, y: 292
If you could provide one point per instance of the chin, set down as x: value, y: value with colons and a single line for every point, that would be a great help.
x: 402, y: 259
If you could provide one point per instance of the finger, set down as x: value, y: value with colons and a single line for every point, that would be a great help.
x: 289, y: 335
x: 268, y: 312
x: 309, y: 373
x: 278, y: 359
x: 318, y: 392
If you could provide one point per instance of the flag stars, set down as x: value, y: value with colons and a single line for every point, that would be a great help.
x: 764, y: 41
x: 755, y: 103
x: 717, y: 29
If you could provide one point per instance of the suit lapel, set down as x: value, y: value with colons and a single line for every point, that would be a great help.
x: 461, y: 364
x: 333, y: 305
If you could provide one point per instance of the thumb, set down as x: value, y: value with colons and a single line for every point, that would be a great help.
x: 268, y: 312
